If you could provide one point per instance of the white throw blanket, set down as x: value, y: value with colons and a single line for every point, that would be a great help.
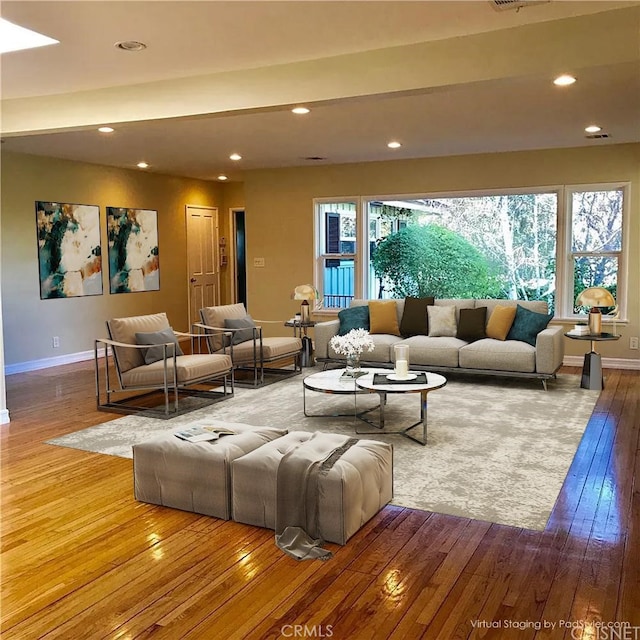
x: 299, y: 474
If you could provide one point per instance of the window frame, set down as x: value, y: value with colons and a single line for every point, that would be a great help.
x: 569, y: 254
x: 564, y: 255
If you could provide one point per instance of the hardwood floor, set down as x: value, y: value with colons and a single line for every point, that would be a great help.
x: 82, y: 559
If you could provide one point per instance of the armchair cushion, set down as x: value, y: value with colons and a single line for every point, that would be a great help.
x: 215, y: 317
x: 125, y: 329
x: 153, y: 354
x: 246, y: 324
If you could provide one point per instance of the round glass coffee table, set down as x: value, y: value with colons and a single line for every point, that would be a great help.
x: 378, y: 381
x: 331, y: 381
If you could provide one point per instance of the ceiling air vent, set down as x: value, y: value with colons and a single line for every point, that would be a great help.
x: 597, y: 136
x: 503, y: 5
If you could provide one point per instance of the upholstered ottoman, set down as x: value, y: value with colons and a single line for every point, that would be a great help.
x: 194, y: 476
x: 356, y: 486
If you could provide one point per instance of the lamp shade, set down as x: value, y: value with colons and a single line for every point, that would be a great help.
x: 304, y: 292
x: 595, y: 297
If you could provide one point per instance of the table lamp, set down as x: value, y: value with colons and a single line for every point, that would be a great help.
x: 305, y: 292
x: 596, y: 297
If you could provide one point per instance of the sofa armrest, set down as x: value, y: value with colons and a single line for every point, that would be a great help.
x: 550, y: 349
x: 323, y: 332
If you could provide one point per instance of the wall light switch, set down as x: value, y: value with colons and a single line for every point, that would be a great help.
x: 258, y: 262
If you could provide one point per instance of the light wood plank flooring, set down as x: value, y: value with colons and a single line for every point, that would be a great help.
x: 82, y: 559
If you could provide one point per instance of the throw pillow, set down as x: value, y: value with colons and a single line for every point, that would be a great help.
x: 442, y: 321
x: 353, y: 318
x: 527, y: 325
x: 154, y: 354
x: 500, y: 322
x: 246, y: 325
x: 414, y: 316
x: 471, y: 326
x: 383, y: 317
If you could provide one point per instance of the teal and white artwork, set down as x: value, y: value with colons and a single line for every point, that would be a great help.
x: 133, y: 250
x: 69, y: 250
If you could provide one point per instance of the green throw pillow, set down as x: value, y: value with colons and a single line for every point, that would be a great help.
x: 527, y: 325
x: 353, y: 318
x: 414, y: 316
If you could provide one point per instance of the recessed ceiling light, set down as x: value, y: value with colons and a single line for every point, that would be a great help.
x: 222, y: 177
x: 235, y: 156
x: 130, y: 45
x: 300, y: 110
x: 106, y: 129
x: 593, y: 128
x: 564, y: 80
x: 16, y: 38
x: 143, y: 165
x: 394, y: 144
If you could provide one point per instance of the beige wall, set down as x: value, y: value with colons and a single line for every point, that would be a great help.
x: 30, y: 323
x: 280, y: 213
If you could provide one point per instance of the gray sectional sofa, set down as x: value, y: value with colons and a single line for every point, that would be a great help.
x: 451, y: 354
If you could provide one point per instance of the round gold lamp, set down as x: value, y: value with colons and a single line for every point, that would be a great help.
x: 596, y: 298
x: 305, y: 292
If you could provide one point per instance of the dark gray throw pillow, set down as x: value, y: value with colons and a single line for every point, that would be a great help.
x: 414, y: 317
x: 246, y: 323
x: 472, y: 323
x: 158, y: 337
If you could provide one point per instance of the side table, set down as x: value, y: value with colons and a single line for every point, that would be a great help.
x: 592, y: 368
x: 300, y: 330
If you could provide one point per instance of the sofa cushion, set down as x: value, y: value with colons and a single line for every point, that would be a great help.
x: 414, y: 317
x: 353, y: 318
x: 383, y: 317
x: 528, y: 324
x: 472, y: 323
x: 153, y: 354
x: 442, y: 321
x: 500, y: 322
x: 433, y: 352
x: 498, y: 355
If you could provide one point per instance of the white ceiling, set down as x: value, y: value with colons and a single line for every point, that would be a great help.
x: 244, y: 63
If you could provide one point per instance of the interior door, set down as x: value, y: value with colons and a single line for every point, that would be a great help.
x: 203, y: 261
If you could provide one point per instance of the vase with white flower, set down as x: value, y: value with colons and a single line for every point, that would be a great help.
x: 351, y: 345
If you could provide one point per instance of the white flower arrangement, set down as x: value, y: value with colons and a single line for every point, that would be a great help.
x: 353, y: 343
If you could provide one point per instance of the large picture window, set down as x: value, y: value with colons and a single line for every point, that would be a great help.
x: 536, y: 244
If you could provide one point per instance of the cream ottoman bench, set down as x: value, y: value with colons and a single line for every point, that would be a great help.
x: 194, y: 476
x: 357, y: 486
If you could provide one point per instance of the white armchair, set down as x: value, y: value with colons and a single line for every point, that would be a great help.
x: 249, y: 349
x: 146, y: 356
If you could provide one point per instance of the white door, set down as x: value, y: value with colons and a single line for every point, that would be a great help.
x: 203, y: 261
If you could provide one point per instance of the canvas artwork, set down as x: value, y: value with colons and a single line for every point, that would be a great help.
x: 69, y: 250
x: 133, y: 250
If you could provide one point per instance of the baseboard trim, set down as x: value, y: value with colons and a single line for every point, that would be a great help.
x: 607, y: 363
x: 45, y: 363
x: 4, y: 416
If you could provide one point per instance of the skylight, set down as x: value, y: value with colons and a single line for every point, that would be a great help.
x: 16, y: 38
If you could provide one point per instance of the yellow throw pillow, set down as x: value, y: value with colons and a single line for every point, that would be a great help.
x: 383, y: 317
x: 500, y: 322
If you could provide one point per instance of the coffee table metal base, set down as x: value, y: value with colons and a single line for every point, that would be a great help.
x: 379, y: 427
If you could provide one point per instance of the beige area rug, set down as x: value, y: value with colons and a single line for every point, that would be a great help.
x: 498, y: 449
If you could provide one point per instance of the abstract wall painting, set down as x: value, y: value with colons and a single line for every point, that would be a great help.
x: 69, y: 250
x: 133, y: 250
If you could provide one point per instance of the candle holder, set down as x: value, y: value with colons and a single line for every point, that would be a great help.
x: 401, y: 352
